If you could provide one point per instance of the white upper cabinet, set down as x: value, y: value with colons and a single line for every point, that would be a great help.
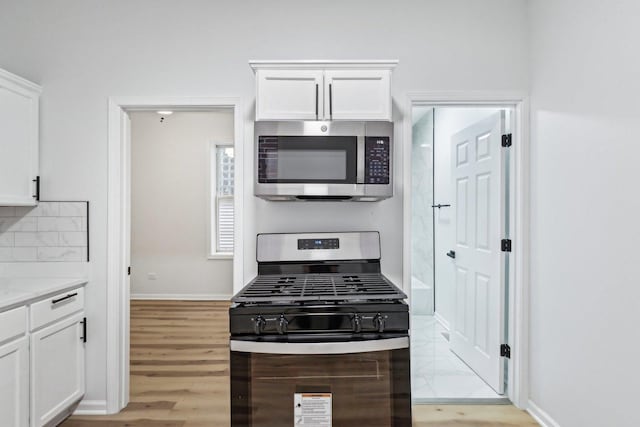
x: 289, y: 94
x: 358, y: 94
x: 19, y: 109
x: 321, y: 90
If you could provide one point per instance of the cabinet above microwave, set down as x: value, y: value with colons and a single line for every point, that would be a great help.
x: 322, y: 90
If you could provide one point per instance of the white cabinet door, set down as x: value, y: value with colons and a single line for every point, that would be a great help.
x: 57, y: 369
x: 358, y: 94
x: 479, y: 319
x: 14, y: 383
x: 289, y: 95
x: 19, y: 101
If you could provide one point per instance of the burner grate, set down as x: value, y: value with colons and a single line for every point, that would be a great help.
x: 319, y: 287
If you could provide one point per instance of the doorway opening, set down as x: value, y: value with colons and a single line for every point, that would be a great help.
x: 181, y: 239
x: 459, y: 273
x: 182, y: 216
x: 214, y: 162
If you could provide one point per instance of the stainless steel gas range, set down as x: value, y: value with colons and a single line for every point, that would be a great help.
x: 320, y: 337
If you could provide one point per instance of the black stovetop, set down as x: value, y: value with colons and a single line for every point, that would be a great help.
x: 329, y: 287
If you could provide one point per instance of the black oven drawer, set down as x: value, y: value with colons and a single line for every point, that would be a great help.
x: 364, y: 388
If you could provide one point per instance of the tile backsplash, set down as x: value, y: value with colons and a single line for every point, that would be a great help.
x: 49, y: 232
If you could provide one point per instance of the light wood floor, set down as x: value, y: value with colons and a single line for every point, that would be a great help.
x: 180, y: 375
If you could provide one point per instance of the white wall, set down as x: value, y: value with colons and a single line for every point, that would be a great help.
x: 585, y: 208
x: 82, y: 52
x: 170, y: 181
x: 447, y: 122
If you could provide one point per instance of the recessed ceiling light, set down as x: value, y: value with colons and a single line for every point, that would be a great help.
x: 165, y: 112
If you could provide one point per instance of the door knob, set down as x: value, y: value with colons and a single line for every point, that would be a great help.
x: 451, y: 254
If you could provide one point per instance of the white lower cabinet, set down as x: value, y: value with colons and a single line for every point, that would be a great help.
x: 57, y: 369
x: 14, y: 383
x: 42, y: 350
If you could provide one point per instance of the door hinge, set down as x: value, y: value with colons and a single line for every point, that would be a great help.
x: 505, y: 245
x: 37, y: 182
x: 84, y: 329
x: 505, y: 351
x: 506, y: 140
x: 129, y: 271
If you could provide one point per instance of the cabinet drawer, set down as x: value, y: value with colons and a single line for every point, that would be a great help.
x: 13, y: 323
x: 56, y: 307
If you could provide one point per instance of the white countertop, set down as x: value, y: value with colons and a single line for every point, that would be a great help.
x: 23, y: 290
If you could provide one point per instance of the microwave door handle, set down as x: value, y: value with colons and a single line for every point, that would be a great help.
x: 316, y: 101
x: 360, y: 160
x: 330, y: 102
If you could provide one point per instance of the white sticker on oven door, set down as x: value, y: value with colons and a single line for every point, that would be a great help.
x: 312, y: 410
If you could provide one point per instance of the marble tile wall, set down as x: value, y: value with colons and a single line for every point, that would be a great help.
x: 422, y: 215
x: 49, y: 232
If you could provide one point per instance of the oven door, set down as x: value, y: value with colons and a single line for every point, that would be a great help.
x: 328, y: 384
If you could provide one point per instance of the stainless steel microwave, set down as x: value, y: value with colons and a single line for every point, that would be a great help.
x: 316, y: 160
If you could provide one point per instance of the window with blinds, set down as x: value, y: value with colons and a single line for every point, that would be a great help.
x: 223, y: 233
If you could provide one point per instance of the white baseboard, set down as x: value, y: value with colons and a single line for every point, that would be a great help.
x: 441, y: 320
x: 183, y: 297
x: 541, y: 416
x: 91, y: 407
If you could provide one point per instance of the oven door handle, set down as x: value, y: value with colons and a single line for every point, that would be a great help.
x: 348, y: 347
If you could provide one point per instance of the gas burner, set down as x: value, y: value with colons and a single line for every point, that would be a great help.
x: 276, y: 289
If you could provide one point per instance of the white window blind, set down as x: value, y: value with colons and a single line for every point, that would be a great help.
x: 224, y: 199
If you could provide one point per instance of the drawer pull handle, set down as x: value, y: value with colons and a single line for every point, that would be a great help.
x: 56, y: 301
x: 83, y: 338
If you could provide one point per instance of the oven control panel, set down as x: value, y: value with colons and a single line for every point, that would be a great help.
x: 377, y: 158
x: 254, y: 320
x: 304, y: 244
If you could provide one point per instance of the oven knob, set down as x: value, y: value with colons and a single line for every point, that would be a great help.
x: 323, y: 128
x: 282, y: 325
x: 378, y: 322
x: 357, y: 324
x: 258, y: 325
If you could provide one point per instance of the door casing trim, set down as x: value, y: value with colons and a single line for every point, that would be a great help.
x: 517, y: 389
x: 117, y: 351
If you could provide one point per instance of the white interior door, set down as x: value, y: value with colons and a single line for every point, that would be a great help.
x: 478, y: 185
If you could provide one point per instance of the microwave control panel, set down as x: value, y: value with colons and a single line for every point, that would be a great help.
x: 377, y: 157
